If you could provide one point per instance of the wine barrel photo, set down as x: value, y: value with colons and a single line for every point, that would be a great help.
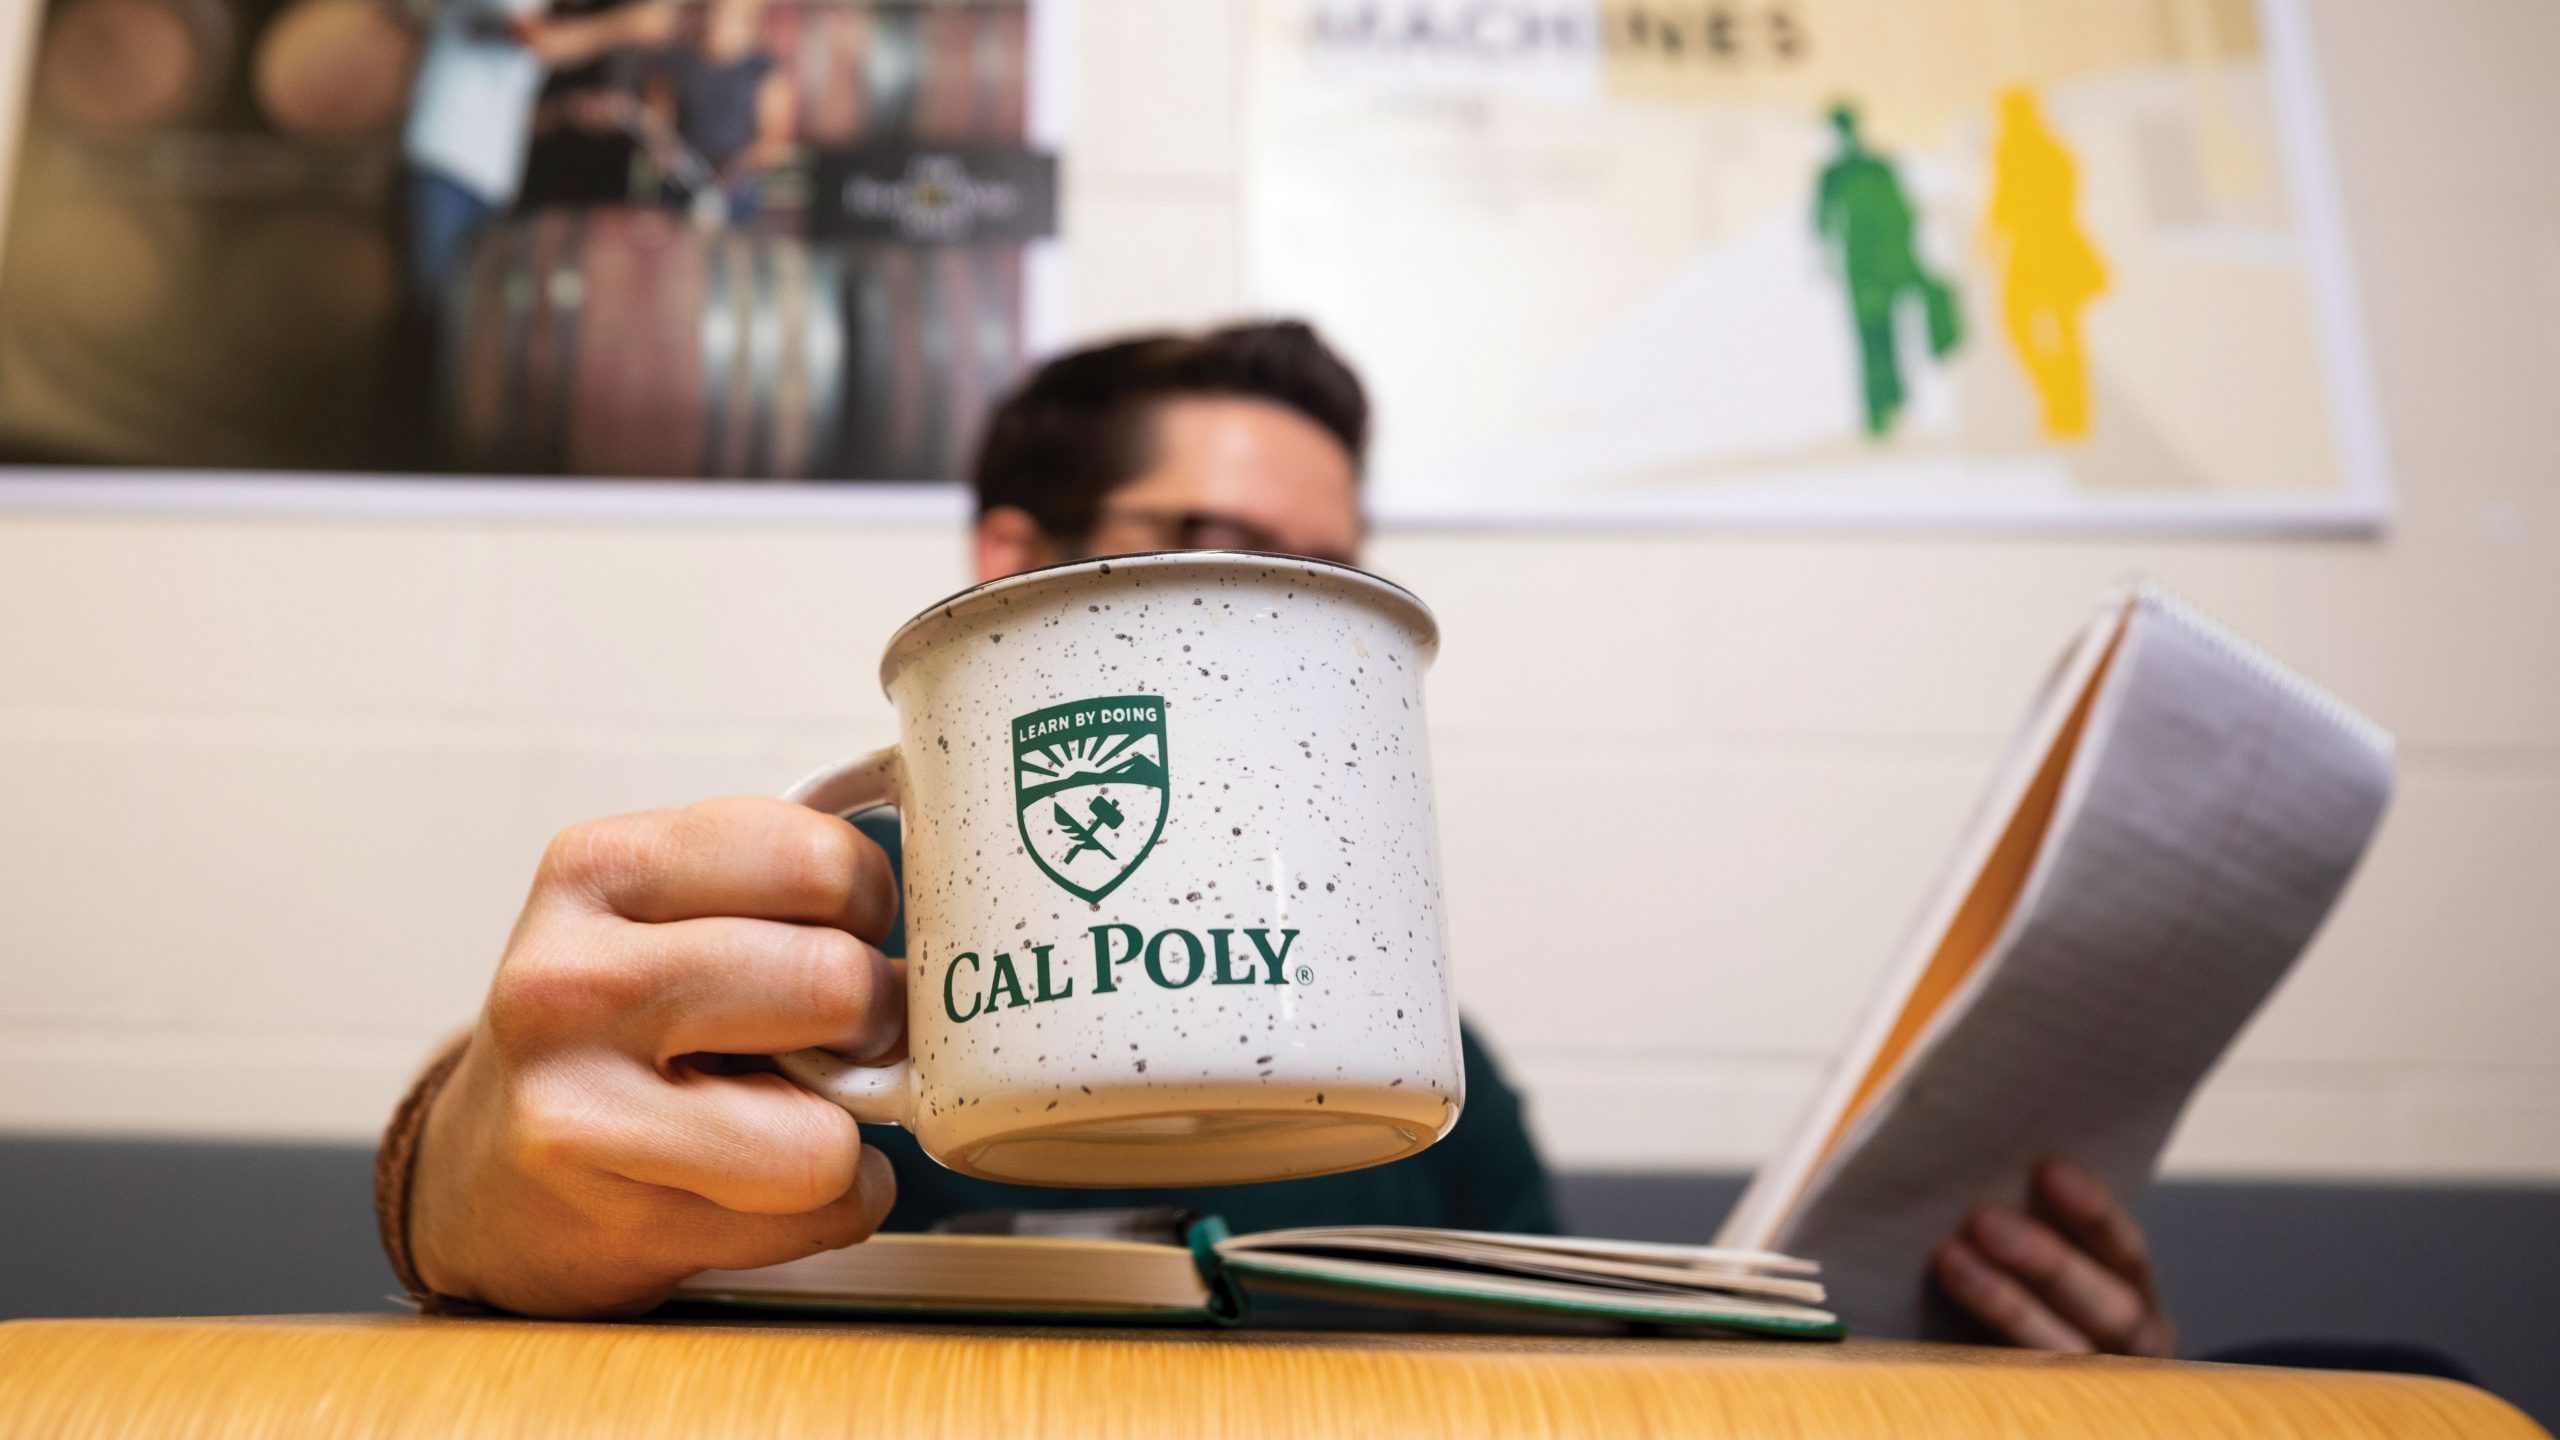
x: 99, y: 269
x: 145, y: 330
x: 627, y: 342
x: 335, y: 69
x: 125, y: 66
x: 617, y: 341
x: 936, y: 337
x: 938, y: 73
x: 305, y: 283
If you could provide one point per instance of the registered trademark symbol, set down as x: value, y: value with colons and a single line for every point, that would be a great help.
x: 1306, y: 974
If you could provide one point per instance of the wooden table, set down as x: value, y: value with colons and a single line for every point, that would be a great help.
x: 402, y: 1376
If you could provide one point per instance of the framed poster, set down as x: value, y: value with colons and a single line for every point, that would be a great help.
x: 2055, y: 263
x: 522, y: 255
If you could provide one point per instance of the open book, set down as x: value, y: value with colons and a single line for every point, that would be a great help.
x: 1165, y: 1265
x: 2163, y: 838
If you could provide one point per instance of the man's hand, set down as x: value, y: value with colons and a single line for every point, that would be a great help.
x: 2074, y: 1275
x: 590, y: 1150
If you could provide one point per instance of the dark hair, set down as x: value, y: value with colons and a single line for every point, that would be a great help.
x: 1083, y: 425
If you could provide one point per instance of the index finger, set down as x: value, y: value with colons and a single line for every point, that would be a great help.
x: 2093, y: 1300
x: 751, y: 857
x: 2080, y: 1205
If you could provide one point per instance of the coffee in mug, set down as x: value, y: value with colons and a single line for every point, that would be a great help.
x: 1172, y: 881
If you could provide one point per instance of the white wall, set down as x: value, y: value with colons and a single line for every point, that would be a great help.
x: 270, y: 789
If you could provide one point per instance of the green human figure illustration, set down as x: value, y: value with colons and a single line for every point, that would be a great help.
x: 1865, y: 220
x: 2050, y: 267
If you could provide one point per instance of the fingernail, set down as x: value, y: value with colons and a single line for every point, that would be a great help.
x: 878, y: 1182
x: 871, y: 1047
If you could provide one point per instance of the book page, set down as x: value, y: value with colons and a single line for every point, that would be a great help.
x: 1906, y: 1000
x: 2214, y: 813
x: 1341, y: 1279
x: 1985, y: 911
x: 974, y: 1272
x: 1426, y: 1251
x: 1422, y: 1240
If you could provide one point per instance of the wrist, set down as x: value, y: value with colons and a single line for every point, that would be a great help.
x: 404, y: 1173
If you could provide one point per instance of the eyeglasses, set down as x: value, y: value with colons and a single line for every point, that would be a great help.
x: 1208, y: 530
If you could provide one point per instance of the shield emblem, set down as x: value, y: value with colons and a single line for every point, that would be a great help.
x: 1089, y: 789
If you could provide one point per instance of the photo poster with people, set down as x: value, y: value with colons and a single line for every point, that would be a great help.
x: 2052, y: 263
x: 534, y: 243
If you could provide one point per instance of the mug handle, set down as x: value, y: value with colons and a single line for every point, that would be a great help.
x: 875, y: 1094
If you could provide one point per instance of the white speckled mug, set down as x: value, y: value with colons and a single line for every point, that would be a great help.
x: 1172, y: 878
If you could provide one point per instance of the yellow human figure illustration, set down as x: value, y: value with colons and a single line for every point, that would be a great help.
x: 2049, y: 268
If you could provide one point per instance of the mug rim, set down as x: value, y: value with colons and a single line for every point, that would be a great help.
x: 1426, y: 624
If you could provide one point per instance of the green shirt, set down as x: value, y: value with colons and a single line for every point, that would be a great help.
x: 1483, y: 1175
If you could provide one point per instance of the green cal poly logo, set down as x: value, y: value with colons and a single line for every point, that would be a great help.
x: 1089, y: 789
x: 1089, y: 792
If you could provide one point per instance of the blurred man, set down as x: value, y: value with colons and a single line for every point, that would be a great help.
x: 577, y: 1155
